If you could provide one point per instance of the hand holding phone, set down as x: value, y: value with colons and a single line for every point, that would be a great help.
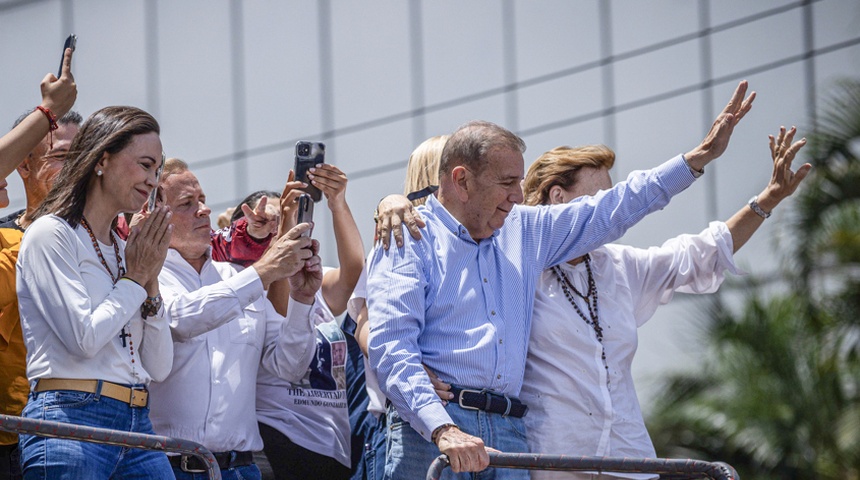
x: 309, y: 155
x: 153, y: 195
x: 306, y: 212
x: 71, y: 41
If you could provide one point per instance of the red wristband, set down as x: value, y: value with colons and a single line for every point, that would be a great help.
x: 52, y: 120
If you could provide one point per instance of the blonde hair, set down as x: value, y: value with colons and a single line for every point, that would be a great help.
x: 423, y: 168
x: 172, y: 166
x: 559, y: 167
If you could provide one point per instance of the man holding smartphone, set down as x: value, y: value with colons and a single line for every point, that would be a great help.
x: 224, y: 330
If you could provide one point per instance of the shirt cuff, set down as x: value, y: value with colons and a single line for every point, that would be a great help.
x: 429, y: 418
x: 247, y: 285
x: 298, y: 310
x: 675, y: 175
x: 128, y: 288
x: 725, y: 246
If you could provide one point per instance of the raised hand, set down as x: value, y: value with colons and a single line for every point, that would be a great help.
x: 263, y: 219
x: 305, y: 283
x: 783, y: 181
x: 332, y: 183
x: 59, y: 94
x: 717, y: 140
x: 146, y: 248
x: 289, y: 207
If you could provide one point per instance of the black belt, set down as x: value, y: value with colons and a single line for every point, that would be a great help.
x: 489, y: 402
x: 226, y: 461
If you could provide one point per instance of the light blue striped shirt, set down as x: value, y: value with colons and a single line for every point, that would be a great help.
x: 464, y: 308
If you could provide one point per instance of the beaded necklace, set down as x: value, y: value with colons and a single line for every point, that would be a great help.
x: 590, y: 298
x: 126, y: 329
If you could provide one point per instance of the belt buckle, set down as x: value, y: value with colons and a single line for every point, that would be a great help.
x: 183, y: 465
x: 460, y: 398
x: 132, y: 398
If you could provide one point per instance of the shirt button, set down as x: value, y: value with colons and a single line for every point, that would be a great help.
x: 485, y: 280
x: 501, y: 341
x: 498, y: 377
x: 492, y: 312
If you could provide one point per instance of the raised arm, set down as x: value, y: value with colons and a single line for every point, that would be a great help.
x: 717, y: 140
x: 58, y: 96
x: 783, y: 183
x: 279, y: 291
x: 338, y: 283
x: 288, y: 353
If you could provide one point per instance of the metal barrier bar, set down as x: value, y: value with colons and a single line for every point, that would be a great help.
x: 677, y: 468
x: 45, y: 428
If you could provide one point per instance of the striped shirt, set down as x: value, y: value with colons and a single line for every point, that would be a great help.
x: 464, y: 308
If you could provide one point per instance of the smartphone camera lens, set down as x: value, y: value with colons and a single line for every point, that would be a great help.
x: 304, y: 149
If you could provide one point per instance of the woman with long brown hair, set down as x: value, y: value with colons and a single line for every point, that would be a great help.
x: 90, y: 306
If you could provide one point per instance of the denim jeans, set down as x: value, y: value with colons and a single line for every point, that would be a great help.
x: 373, y: 460
x: 409, y: 456
x: 247, y: 472
x: 54, y: 458
x: 368, y: 432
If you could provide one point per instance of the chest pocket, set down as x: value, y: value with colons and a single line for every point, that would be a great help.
x: 247, y: 330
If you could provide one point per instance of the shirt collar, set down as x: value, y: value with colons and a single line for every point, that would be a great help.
x: 448, y: 221
x: 175, y: 258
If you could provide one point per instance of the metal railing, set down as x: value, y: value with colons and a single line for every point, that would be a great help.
x: 45, y: 428
x: 667, y: 468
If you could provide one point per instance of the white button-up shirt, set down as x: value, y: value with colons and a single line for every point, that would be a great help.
x: 223, y: 330
x: 572, y: 409
x: 72, y: 313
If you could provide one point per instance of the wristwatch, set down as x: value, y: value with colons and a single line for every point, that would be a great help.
x: 757, y: 209
x: 151, y: 306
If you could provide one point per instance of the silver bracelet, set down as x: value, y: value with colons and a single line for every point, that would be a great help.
x: 757, y: 209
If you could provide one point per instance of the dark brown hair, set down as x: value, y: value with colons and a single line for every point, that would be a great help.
x: 108, y: 130
x: 470, y: 144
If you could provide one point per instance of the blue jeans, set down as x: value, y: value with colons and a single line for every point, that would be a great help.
x: 368, y: 432
x: 54, y: 458
x: 247, y: 472
x: 373, y: 460
x: 409, y: 456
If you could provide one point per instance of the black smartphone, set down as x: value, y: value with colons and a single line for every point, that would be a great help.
x: 71, y: 41
x: 306, y: 212
x: 309, y: 155
x: 153, y: 195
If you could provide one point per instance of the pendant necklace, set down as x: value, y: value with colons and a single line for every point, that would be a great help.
x: 590, y: 298
x: 126, y: 329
